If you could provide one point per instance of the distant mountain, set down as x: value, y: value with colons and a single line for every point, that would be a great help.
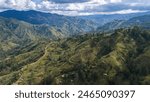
x: 103, y: 19
x: 67, y: 25
x: 111, y: 25
x: 141, y: 21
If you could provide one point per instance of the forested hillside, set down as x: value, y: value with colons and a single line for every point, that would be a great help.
x: 119, y: 57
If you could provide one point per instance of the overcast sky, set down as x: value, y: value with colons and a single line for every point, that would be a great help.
x: 78, y: 7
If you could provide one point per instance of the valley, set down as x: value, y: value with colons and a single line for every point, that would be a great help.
x: 73, y: 51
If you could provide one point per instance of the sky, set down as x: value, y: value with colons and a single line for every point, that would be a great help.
x: 78, y: 7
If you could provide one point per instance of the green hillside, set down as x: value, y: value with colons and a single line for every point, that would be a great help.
x: 122, y: 57
x: 14, y: 33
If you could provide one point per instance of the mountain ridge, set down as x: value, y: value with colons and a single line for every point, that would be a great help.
x: 40, y: 54
x: 119, y: 58
x: 67, y: 25
x: 141, y: 21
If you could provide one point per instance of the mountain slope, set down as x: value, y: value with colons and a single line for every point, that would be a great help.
x: 14, y: 33
x: 103, y: 19
x: 67, y: 25
x: 141, y: 21
x: 23, y: 30
x: 119, y: 58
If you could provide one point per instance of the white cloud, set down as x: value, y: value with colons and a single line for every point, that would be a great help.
x: 127, y: 11
x: 115, y: 1
x: 17, y: 4
x: 74, y: 13
x: 79, y: 7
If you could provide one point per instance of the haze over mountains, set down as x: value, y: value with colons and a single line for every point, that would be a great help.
x: 66, y: 25
x: 44, y: 48
x: 103, y: 19
x: 141, y: 21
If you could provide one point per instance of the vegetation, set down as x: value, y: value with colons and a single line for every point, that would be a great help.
x: 122, y: 57
x: 64, y: 24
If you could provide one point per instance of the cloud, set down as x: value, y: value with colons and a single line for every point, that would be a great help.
x: 17, y: 4
x: 78, y: 7
x: 68, y: 1
x: 74, y: 13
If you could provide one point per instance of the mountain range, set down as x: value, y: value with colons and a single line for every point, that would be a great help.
x: 66, y: 25
x: 41, y: 48
x: 104, y: 19
x: 141, y: 21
